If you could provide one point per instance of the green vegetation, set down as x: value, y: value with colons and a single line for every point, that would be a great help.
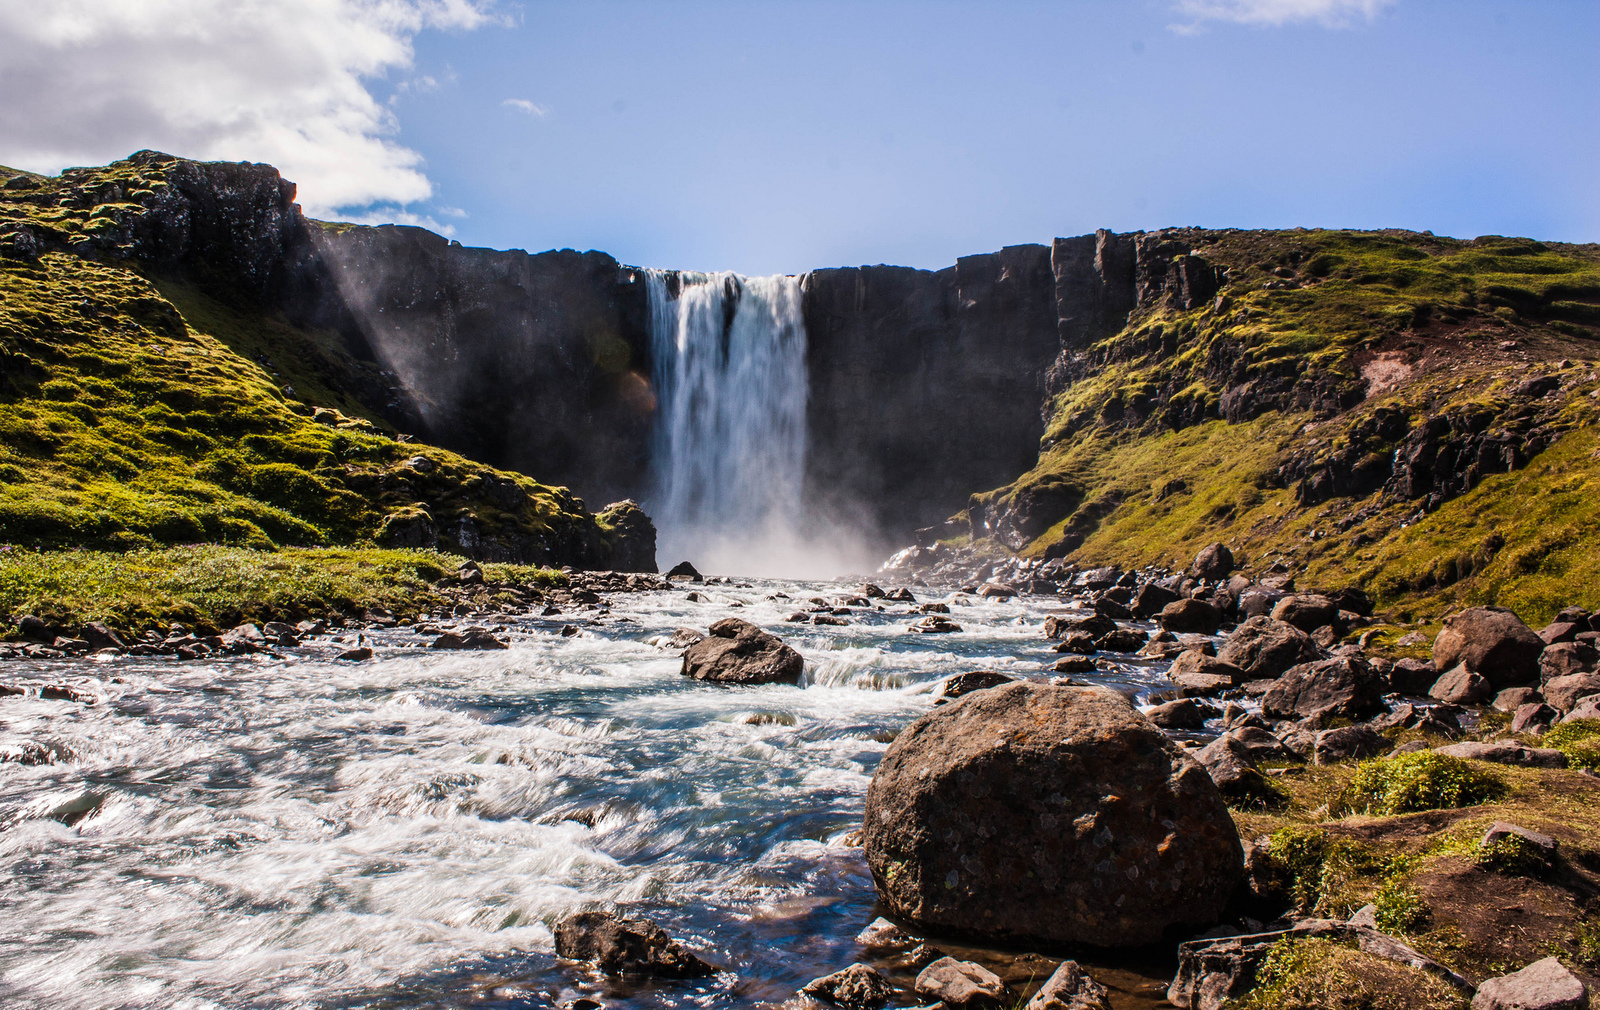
x: 219, y: 587
x: 1579, y: 740
x: 1513, y: 856
x: 139, y: 411
x: 1423, y: 780
x: 1316, y: 974
x: 1307, y: 322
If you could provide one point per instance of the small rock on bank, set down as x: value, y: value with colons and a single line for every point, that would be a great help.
x: 1047, y: 813
x: 858, y: 987
x: 1542, y: 985
x: 960, y: 983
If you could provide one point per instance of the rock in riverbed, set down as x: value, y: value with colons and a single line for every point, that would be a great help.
x: 738, y: 652
x: 619, y: 946
x: 858, y: 987
x: 1493, y: 643
x: 1047, y: 813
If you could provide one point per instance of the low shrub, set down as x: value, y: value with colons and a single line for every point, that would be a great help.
x: 1513, y: 856
x: 1314, y: 974
x: 1579, y: 740
x: 1423, y: 780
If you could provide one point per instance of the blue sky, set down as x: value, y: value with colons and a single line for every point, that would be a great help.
x: 780, y: 137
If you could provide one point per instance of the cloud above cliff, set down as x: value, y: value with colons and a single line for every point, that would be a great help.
x: 280, y: 81
x: 1275, y: 13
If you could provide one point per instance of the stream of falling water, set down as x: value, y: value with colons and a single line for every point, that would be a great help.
x: 729, y: 459
x: 297, y: 832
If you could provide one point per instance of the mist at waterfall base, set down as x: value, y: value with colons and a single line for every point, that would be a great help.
x: 728, y: 468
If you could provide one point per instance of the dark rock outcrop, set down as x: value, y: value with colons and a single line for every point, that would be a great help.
x: 619, y: 946
x: 1021, y: 811
x: 1264, y: 648
x: 1342, y: 687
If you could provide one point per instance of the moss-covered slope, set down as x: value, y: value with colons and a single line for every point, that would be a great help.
x: 141, y: 408
x: 1398, y: 411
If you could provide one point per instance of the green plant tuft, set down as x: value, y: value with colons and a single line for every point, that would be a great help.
x: 1579, y: 740
x: 1423, y: 780
x: 1513, y: 856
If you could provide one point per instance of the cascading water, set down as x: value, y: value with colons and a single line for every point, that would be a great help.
x: 730, y: 375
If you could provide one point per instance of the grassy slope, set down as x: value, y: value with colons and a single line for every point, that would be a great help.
x: 1443, y: 305
x: 137, y: 412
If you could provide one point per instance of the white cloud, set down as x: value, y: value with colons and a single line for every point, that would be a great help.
x: 1274, y: 13
x: 523, y: 105
x: 84, y: 82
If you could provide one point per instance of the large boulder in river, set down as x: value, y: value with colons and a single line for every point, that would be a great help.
x: 738, y: 652
x: 1493, y: 643
x: 1057, y: 814
x: 1263, y: 648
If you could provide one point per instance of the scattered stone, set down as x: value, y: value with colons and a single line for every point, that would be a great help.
x: 1074, y: 664
x: 903, y: 595
x: 996, y: 590
x: 1150, y: 599
x: 872, y: 592
x: 966, y: 812
x: 883, y: 937
x: 1122, y: 640
x: 977, y: 680
x: 1342, y: 687
x: 1586, y: 708
x: 1078, y: 642
x: 99, y: 636
x: 1499, y: 831
x: 1308, y: 611
x: 1542, y: 985
x: 1412, y: 676
x: 619, y: 946
x: 1213, y: 562
x: 1561, y: 631
x: 828, y: 619
x: 934, y: 608
x: 1563, y: 693
x: 857, y: 987
x: 1460, y: 686
x: 1493, y: 643
x: 1264, y: 648
x: 67, y: 692
x: 1349, y: 743
x: 960, y: 984
x: 1196, y: 616
x: 1513, y: 698
x: 1093, y: 625
x: 738, y: 652
x: 1213, y: 971
x: 357, y: 655
x: 1232, y: 767
x: 1506, y: 752
x: 1534, y: 718
x: 1202, y: 674
x: 469, y: 639
x: 933, y: 624
x: 1071, y: 988
x: 683, y: 638
x: 1262, y: 744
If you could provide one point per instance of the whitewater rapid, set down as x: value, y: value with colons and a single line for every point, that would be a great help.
x: 298, y: 832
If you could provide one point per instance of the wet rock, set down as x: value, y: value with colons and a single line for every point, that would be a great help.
x: 857, y: 987
x: 1348, y: 743
x: 35, y: 629
x: 1093, y: 625
x: 883, y: 937
x: 1150, y: 599
x: 1460, y: 686
x: 569, y: 630
x: 32, y: 752
x: 1122, y: 640
x: 934, y: 608
x: 683, y: 638
x: 977, y: 680
x: 1563, y: 693
x: 359, y: 654
x: 619, y: 946
x: 1493, y: 643
x: 67, y: 692
x: 1070, y: 988
x: 1195, y: 616
x: 933, y: 624
x: 1264, y: 648
x: 1341, y: 687
x: 1534, y: 717
x: 1542, y: 985
x: 1108, y: 607
x: 1203, y: 674
x: 1023, y: 811
x: 738, y: 652
x: 244, y: 639
x: 1506, y: 752
x: 903, y: 595
x: 960, y: 984
x: 997, y: 590
x: 469, y: 639
x: 684, y: 570
x: 99, y: 636
x: 1212, y: 563
x: 828, y: 619
x: 1074, y: 664
x: 1184, y: 714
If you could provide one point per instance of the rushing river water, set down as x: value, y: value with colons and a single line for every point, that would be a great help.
x: 298, y: 832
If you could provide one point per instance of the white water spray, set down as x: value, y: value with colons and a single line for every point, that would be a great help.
x: 729, y: 462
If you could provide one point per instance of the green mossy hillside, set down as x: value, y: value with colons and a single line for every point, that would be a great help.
x: 1274, y: 416
x: 126, y: 422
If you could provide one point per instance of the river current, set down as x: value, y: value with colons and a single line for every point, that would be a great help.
x: 294, y: 831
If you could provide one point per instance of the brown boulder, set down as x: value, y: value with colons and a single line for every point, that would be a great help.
x: 738, y: 652
x: 1264, y: 648
x: 1341, y: 687
x: 1563, y: 692
x: 1213, y: 562
x: 1070, y: 988
x: 1493, y: 643
x: 858, y: 987
x: 1308, y: 611
x: 1049, y: 813
x: 619, y: 946
x: 960, y: 984
x: 1460, y: 686
x: 1563, y: 659
x: 1190, y: 615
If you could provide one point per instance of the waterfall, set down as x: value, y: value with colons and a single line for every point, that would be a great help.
x: 730, y: 375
